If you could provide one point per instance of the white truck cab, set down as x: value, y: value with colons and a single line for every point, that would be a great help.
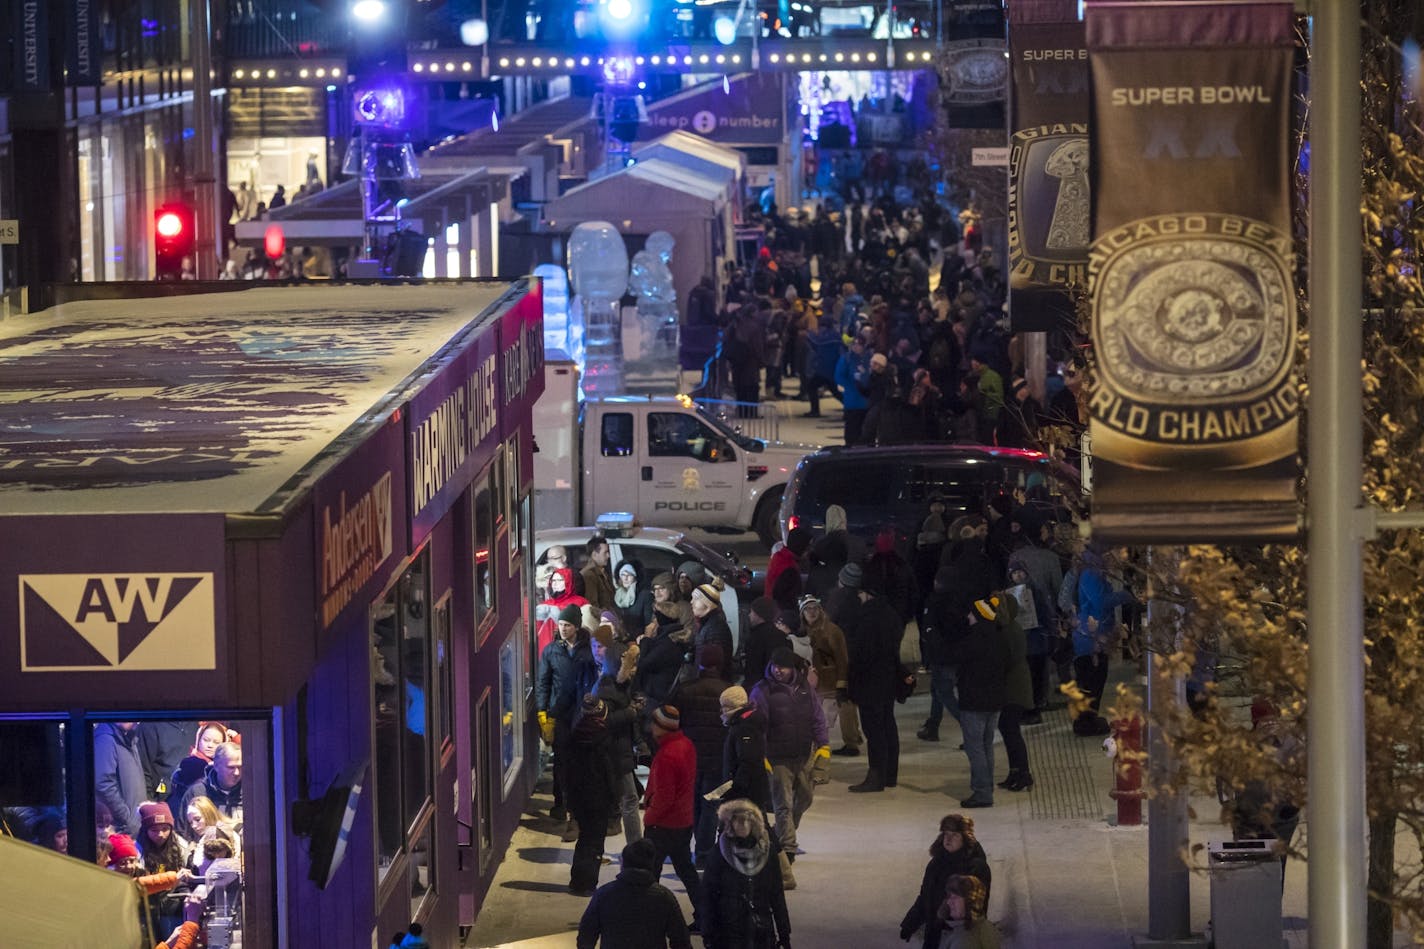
x: 664, y: 459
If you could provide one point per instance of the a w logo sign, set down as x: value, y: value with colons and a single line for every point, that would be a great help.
x: 117, y: 622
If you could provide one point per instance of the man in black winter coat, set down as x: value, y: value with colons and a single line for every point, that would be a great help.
x: 635, y: 911
x: 566, y: 673
x: 744, y: 753
x: 873, y: 635
x: 963, y: 577
x: 983, y: 660
x: 700, y: 702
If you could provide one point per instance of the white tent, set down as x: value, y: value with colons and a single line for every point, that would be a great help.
x: 51, y: 901
x: 656, y: 195
x: 708, y: 159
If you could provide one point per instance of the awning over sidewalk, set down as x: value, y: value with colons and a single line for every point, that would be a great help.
x: 335, y: 218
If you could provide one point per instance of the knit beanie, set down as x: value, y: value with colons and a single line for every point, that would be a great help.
x: 641, y: 854
x: 121, y: 847
x: 694, y: 571
x: 733, y: 698
x: 665, y: 580
x: 710, y: 592
x: 571, y: 614
x: 785, y: 658
x: 798, y: 541
x: 667, y: 717
x: 154, y: 812
x: 711, y: 656
x: 765, y: 608
x: 851, y: 575
x: 988, y: 609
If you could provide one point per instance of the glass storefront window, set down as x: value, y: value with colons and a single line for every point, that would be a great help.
x: 511, y: 711
x: 32, y: 798
x: 510, y: 501
x: 400, y: 672
x: 486, y: 505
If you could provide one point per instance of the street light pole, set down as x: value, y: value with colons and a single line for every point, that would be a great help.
x: 1336, y: 686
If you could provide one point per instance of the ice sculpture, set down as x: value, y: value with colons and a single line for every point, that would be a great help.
x: 598, y: 275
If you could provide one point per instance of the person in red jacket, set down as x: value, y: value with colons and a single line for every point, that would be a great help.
x: 561, y: 594
x: 783, y: 572
x: 672, y: 781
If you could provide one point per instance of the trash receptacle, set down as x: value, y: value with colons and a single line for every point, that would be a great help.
x: 1245, y: 894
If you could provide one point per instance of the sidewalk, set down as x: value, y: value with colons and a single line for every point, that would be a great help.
x: 1064, y: 876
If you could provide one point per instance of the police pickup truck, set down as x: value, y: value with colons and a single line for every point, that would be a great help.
x: 667, y: 460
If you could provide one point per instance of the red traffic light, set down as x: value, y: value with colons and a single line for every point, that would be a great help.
x: 175, y: 236
x: 169, y: 224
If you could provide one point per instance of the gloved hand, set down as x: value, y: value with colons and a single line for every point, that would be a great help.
x: 545, y: 611
x: 821, y: 765
x: 629, y: 664
x: 842, y: 696
x: 546, y: 728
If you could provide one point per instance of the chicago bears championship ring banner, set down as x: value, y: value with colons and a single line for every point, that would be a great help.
x: 1193, y: 306
x: 1049, y: 204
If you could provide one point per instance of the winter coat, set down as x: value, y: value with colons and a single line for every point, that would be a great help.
x: 828, y: 654
x: 983, y: 660
x: 229, y: 802
x: 635, y: 911
x: 1046, y: 571
x: 598, y: 588
x: 850, y: 371
x: 1018, y: 684
x: 549, y: 609
x: 745, y: 340
x: 659, y: 659
x: 743, y: 900
x: 889, y: 573
x: 699, y: 703
x: 873, y: 635
x: 674, y: 616
x: 744, y: 758
x: 565, y: 675
x: 968, y: 860
x: 783, y: 579
x: 162, y: 746
x: 795, y: 724
x: 762, y: 640
x: 823, y: 352
x: 118, y: 775
x: 672, y: 781
x: 1096, y: 627
x: 622, y: 722
x: 593, y: 787
x: 1039, y: 638
x: 713, y: 628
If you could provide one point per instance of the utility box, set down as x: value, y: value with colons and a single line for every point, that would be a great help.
x: 1245, y: 894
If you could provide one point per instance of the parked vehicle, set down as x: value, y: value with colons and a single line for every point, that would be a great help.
x: 668, y: 461
x: 893, y: 486
x: 659, y: 551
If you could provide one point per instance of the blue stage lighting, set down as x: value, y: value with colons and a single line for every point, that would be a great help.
x: 724, y: 28
x: 622, y: 19
x: 369, y: 11
x: 379, y: 107
x: 620, y: 9
x: 618, y: 70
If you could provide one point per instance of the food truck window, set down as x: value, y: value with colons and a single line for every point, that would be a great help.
x: 188, y: 802
x: 486, y: 503
x: 444, y: 679
x: 511, y: 712
x: 400, y: 672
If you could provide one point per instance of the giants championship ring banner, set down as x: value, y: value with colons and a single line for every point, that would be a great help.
x: 973, y: 75
x: 1049, y: 204
x: 1193, y: 305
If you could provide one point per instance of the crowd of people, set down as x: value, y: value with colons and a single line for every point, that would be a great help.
x: 842, y: 302
x: 739, y: 737
x: 167, y: 812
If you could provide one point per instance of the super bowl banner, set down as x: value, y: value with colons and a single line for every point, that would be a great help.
x: 1048, y: 162
x: 974, y: 75
x: 1193, y: 307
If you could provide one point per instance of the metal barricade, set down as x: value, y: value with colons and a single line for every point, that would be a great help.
x: 753, y: 419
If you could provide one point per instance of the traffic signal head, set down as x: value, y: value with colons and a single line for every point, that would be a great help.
x: 175, y: 236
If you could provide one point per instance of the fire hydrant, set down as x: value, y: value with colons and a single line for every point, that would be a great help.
x: 1125, y: 748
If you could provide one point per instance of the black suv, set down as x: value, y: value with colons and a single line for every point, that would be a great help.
x: 894, y: 485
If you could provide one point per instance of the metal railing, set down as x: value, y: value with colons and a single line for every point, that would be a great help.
x: 753, y: 419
